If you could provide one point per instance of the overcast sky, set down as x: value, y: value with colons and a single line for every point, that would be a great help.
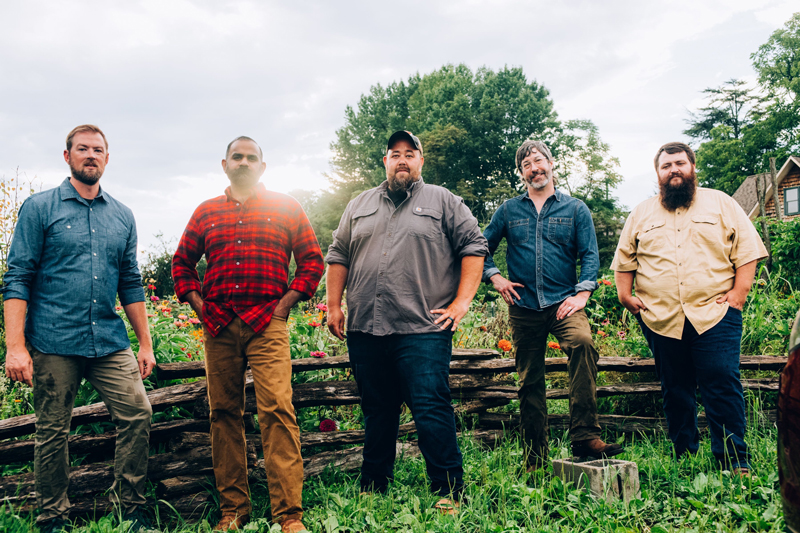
x: 171, y: 82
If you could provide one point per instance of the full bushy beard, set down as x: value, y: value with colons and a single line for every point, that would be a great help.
x: 397, y: 184
x: 87, y: 178
x: 675, y: 197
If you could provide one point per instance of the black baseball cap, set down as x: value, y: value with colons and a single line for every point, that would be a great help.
x: 404, y: 135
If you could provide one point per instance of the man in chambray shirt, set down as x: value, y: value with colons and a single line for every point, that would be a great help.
x: 547, y: 232
x: 73, y: 252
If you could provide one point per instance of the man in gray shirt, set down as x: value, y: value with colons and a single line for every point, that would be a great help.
x: 411, y: 256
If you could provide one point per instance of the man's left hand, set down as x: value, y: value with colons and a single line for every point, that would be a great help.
x: 147, y: 362
x: 734, y: 298
x: 452, y: 315
x: 571, y: 305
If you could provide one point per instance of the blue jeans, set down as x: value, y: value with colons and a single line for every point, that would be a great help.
x: 414, y: 369
x: 710, y: 363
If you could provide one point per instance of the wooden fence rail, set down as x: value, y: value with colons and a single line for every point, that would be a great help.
x: 479, y: 379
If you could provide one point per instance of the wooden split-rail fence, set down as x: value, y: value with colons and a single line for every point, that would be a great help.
x: 180, y: 461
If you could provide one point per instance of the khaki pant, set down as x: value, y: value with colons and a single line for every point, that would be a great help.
x: 529, y: 331
x: 116, y: 378
x: 227, y: 356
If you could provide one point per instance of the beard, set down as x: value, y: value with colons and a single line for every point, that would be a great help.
x: 548, y: 176
x: 398, y: 184
x: 88, y: 176
x: 676, y: 196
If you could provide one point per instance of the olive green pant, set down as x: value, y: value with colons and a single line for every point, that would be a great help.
x: 227, y: 356
x: 116, y: 378
x: 529, y: 333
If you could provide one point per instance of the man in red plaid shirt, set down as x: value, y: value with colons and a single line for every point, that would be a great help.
x: 248, y: 236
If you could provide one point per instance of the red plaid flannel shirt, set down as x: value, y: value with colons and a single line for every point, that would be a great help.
x: 248, y: 248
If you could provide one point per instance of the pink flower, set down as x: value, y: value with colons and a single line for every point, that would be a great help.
x: 605, y: 322
x: 322, y: 307
x: 318, y: 354
x: 118, y: 308
x: 182, y: 317
x: 154, y: 298
x: 314, y: 324
x: 328, y: 425
x: 621, y: 334
x: 179, y: 324
x: 194, y: 320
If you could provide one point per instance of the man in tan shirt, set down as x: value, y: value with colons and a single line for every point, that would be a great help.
x: 693, y: 253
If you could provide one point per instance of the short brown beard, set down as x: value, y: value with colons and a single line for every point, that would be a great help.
x: 398, y: 185
x: 85, y: 178
x: 682, y: 195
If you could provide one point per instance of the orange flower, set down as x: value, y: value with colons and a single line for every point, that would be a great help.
x: 602, y: 333
x: 504, y: 345
x: 554, y: 345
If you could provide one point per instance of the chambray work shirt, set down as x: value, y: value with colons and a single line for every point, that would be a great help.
x: 543, y: 248
x: 69, y: 259
x: 404, y: 261
x: 685, y: 259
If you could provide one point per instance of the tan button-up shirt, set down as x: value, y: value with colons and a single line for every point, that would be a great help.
x: 684, y: 260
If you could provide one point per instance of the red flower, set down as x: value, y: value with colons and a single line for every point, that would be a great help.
x: 151, y: 287
x: 328, y: 425
x: 314, y: 324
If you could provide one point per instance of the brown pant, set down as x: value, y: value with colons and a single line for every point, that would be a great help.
x: 116, y: 379
x: 227, y: 356
x: 530, y: 329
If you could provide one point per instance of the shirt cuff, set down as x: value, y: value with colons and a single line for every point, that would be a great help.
x: 182, y: 288
x: 16, y: 292
x: 336, y: 258
x: 131, y: 296
x: 304, y: 287
x: 588, y: 285
x: 476, y: 249
x: 627, y: 266
x: 488, y: 273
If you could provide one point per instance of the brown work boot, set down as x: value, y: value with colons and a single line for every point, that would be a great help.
x: 232, y: 522
x: 595, y: 448
x: 293, y: 525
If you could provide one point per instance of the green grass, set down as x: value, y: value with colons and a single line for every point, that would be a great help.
x: 690, y: 495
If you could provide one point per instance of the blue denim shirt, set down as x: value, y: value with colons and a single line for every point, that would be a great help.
x: 69, y: 259
x: 543, y: 248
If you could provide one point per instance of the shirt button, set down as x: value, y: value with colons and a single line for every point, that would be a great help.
x: 240, y: 222
x: 237, y: 204
x: 678, y: 230
x: 679, y: 264
x: 237, y: 286
x: 681, y: 283
x: 69, y: 227
x: 94, y: 253
x: 384, y: 253
x: 95, y: 277
x: 92, y: 231
x: 237, y: 262
x: 95, y: 301
x: 240, y: 242
x: 679, y: 246
x: 94, y: 323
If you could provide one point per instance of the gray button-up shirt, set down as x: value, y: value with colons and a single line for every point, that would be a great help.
x: 69, y: 259
x: 405, y: 261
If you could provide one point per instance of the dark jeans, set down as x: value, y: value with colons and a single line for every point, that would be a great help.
x: 529, y: 332
x: 710, y: 363
x: 414, y: 369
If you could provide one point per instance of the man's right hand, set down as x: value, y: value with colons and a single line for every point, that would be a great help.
x: 632, y: 304
x: 196, y: 302
x: 506, y: 288
x: 336, y: 321
x: 19, y: 365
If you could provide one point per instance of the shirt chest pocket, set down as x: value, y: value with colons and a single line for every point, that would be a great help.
x: 426, y: 223
x: 519, y: 231
x: 706, y: 232
x: 652, y: 237
x: 116, y: 243
x: 363, y: 224
x: 559, y: 230
x: 68, y: 238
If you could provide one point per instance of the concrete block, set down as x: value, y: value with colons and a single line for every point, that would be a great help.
x: 611, y: 479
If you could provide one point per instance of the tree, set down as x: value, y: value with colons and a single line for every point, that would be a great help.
x: 778, y: 60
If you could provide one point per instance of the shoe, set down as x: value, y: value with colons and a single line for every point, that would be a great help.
x: 293, y: 525
x: 55, y: 525
x: 741, y: 471
x: 447, y: 506
x: 139, y: 521
x: 595, y: 448
x: 231, y: 522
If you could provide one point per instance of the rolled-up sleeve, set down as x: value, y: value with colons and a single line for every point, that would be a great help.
x: 625, y: 257
x: 465, y: 234
x: 130, y: 279
x: 339, y: 250
x: 587, y: 250
x: 493, y: 233
x: 25, y: 253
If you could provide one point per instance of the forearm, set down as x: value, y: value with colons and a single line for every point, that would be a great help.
x: 471, y: 273
x: 196, y: 303
x: 335, y: 281
x: 286, y: 303
x: 744, y: 276
x: 137, y: 316
x: 14, y: 311
x: 624, y: 282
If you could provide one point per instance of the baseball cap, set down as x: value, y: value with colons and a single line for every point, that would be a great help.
x: 404, y: 135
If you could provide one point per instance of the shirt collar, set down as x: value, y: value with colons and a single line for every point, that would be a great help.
x: 68, y: 192
x: 258, y: 191
x: 558, y: 195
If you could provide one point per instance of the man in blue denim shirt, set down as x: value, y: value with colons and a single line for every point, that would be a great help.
x: 547, y: 232
x: 73, y: 252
